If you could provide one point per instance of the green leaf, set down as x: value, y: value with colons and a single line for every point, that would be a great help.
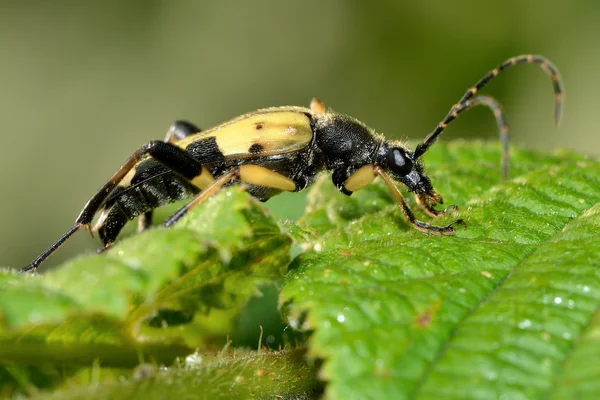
x: 238, y: 375
x: 507, y: 307
x: 156, y: 295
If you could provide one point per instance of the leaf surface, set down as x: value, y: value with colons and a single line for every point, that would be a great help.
x: 501, y: 308
x: 159, y: 294
x: 508, y: 306
x: 234, y: 375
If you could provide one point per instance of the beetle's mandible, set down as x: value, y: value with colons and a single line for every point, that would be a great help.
x: 273, y: 150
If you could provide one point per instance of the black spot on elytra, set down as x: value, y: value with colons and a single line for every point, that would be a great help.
x: 259, y: 126
x: 256, y: 148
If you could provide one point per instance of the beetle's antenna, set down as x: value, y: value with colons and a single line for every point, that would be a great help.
x: 34, y: 264
x: 460, y: 106
x: 501, y: 123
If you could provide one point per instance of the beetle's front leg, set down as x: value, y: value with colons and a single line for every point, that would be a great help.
x: 428, y: 206
x: 340, y: 177
x: 422, y: 226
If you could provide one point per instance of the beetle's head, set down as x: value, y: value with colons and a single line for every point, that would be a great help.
x: 403, y: 166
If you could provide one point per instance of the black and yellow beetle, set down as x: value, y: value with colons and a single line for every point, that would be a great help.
x: 273, y: 150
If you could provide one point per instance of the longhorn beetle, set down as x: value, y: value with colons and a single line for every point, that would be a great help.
x: 273, y: 150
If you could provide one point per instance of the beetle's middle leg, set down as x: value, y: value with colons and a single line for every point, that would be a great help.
x: 177, y: 131
x: 248, y: 173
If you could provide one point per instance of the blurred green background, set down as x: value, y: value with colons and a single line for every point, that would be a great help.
x: 84, y: 84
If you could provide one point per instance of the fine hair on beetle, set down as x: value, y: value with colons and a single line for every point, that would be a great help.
x: 279, y: 149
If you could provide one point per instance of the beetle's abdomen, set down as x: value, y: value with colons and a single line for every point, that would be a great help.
x: 152, y: 186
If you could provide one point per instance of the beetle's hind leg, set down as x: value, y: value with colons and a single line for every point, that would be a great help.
x: 34, y: 264
x: 176, y: 159
x: 178, y: 130
x: 422, y: 226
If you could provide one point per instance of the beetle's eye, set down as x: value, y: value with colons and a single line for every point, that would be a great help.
x: 398, y: 162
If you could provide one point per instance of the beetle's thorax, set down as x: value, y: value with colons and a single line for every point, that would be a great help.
x: 345, y: 141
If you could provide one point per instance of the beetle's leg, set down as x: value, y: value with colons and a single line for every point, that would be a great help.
x: 428, y: 207
x: 261, y: 176
x: 106, y: 247
x: 171, y: 156
x: 34, y: 264
x: 203, y: 195
x: 177, y: 131
x: 422, y: 226
x: 359, y: 179
x: 249, y: 173
x: 178, y: 160
x: 523, y: 59
x: 144, y: 221
x: 367, y: 174
x: 348, y: 180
